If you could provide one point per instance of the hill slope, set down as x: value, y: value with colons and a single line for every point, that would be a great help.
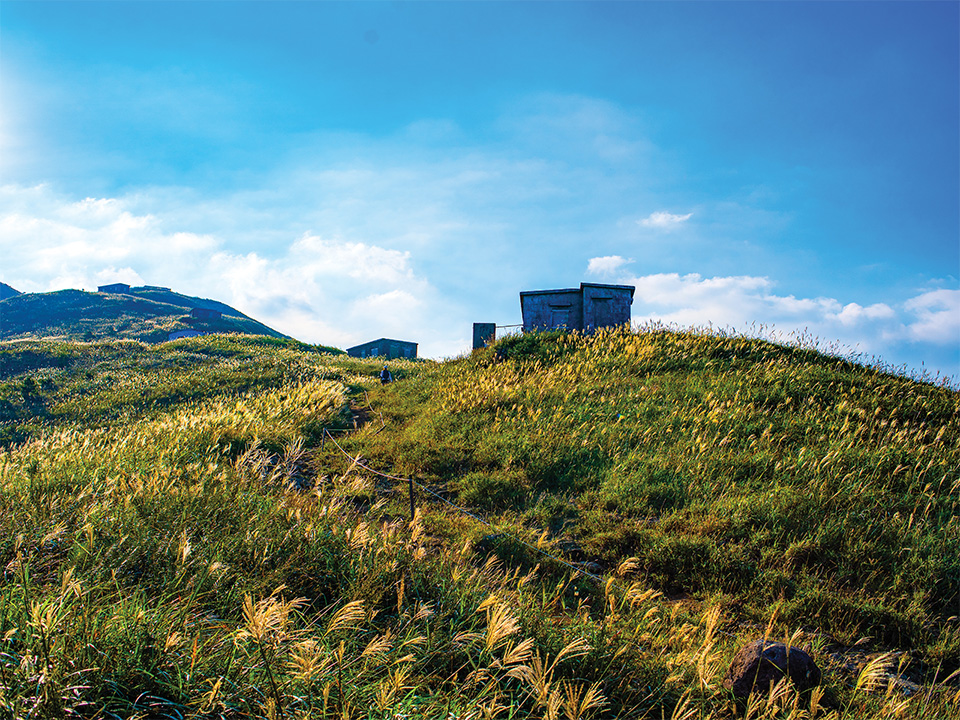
x: 147, y: 314
x: 6, y: 291
x: 50, y: 384
x: 770, y: 480
x: 181, y: 539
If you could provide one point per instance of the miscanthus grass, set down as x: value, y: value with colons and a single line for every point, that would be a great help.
x: 765, y: 479
x: 205, y: 557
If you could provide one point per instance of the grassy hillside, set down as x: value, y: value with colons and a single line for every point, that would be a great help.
x: 179, y: 541
x: 147, y: 314
x: 756, y: 475
x: 44, y: 384
x: 6, y: 291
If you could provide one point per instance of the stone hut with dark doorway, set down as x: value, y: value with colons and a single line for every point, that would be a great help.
x: 384, y: 348
x: 586, y: 309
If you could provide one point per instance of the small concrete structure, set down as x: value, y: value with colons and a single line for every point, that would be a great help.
x: 384, y: 348
x: 205, y: 314
x: 483, y: 334
x: 591, y: 307
x: 121, y: 288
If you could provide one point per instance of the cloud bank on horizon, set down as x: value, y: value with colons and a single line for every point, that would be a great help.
x: 931, y: 317
x: 340, y: 188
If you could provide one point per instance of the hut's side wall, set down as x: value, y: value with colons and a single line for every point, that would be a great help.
x: 547, y: 310
x: 605, y: 306
x: 384, y: 348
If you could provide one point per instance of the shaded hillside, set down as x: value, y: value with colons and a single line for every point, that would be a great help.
x: 7, y: 292
x: 147, y: 314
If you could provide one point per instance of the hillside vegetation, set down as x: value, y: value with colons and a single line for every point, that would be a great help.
x: 144, y: 313
x: 48, y: 383
x: 181, y: 540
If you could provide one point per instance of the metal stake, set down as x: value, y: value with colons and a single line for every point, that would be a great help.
x: 412, y: 509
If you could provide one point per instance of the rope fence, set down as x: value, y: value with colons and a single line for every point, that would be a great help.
x: 508, y: 330
x: 411, y: 484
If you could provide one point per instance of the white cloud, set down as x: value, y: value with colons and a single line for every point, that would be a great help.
x: 49, y: 242
x: 937, y: 317
x: 606, y: 265
x: 853, y: 313
x: 577, y: 126
x: 742, y: 302
x: 663, y: 220
x: 390, y: 311
x: 328, y: 290
x: 352, y: 259
x: 119, y: 275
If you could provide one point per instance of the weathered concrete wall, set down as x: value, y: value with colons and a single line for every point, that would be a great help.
x: 483, y: 333
x: 548, y: 309
x: 384, y: 348
x: 605, y: 305
x: 586, y: 308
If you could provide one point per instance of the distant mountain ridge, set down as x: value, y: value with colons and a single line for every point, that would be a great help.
x: 7, y: 292
x: 148, y: 313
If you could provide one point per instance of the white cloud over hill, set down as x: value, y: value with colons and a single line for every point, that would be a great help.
x: 741, y: 302
x: 419, y: 232
x: 325, y: 290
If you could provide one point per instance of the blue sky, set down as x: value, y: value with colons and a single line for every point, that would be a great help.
x: 349, y: 171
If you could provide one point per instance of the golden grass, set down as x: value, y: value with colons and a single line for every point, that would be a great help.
x: 167, y: 564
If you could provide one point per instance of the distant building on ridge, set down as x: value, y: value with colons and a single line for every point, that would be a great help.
x: 586, y: 309
x: 384, y: 348
x: 119, y: 288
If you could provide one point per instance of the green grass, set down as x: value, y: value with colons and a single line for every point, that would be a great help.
x: 45, y: 384
x: 177, y: 543
x: 729, y: 466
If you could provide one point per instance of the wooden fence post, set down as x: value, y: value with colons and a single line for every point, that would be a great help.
x: 412, y: 508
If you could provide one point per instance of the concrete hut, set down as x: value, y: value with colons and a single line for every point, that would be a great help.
x: 384, y: 348
x: 586, y: 309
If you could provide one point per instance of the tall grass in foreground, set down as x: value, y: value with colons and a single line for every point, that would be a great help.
x: 206, y: 559
x: 171, y: 567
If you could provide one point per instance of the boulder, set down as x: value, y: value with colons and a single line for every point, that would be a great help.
x: 763, y: 663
